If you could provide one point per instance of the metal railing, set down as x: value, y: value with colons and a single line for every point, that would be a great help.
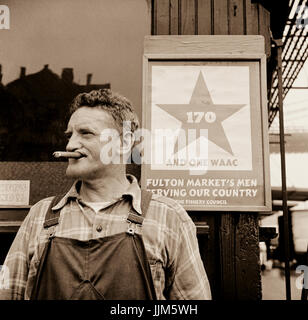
x: 294, y: 53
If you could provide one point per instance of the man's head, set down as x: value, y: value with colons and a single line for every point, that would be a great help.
x: 93, y: 115
x: 119, y: 107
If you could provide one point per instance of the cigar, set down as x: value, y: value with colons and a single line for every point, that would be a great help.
x: 65, y: 154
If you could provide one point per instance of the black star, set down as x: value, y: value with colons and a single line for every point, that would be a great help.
x: 202, y: 113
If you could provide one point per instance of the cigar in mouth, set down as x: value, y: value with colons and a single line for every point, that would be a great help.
x: 64, y: 154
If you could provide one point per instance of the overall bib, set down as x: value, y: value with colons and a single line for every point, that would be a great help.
x: 111, y: 268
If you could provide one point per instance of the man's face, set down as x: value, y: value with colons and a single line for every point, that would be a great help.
x: 83, y: 131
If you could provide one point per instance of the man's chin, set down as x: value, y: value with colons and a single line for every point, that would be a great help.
x: 74, y: 174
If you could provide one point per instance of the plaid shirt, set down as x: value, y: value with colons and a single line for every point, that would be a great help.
x: 169, y: 237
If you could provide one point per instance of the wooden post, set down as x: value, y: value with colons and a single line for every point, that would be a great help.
x: 231, y: 251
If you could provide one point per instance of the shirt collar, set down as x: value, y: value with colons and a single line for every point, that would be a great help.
x: 133, y: 191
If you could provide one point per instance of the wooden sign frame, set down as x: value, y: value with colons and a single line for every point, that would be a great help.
x: 161, y: 54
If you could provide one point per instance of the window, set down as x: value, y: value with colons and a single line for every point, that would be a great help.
x: 55, y: 50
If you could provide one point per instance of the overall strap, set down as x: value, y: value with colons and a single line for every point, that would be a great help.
x: 145, y: 202
x: 52, y: 218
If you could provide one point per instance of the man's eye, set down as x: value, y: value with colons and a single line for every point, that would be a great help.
x: 84, y: 132
x: 68, y: 135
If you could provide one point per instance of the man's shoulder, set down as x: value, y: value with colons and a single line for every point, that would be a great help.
x: 43, y: 202
x: 170, y: 207
x: 41, y: 206
x: 36, y: 216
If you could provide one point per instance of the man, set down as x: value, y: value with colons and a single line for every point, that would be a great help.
x: 105, y: 239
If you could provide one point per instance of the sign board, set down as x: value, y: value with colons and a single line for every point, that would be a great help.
x: 14, y: 192
x: 204, y: 106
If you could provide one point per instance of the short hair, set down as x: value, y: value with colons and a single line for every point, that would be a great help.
x: 119, y: 107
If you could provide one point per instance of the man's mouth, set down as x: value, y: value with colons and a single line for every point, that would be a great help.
x: 81, y: 157
x: 78, y: 158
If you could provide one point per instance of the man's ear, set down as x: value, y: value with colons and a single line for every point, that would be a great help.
x: 128, y: 141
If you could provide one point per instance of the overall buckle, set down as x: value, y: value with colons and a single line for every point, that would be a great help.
x: 130, y: 229
x: 51, y: 232
x: 133, y: 221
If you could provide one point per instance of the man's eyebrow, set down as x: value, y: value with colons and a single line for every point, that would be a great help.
x: 81, y: 128
x: 85, y: 127
x: 95, y: 126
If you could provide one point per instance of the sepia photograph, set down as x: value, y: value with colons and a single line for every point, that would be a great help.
x: 154, y: 150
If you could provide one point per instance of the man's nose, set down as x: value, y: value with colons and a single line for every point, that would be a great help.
x: 73, y: 143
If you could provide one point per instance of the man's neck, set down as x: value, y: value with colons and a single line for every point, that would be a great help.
x: 103, y: 190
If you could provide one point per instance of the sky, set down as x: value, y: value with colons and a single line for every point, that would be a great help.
x: 102, y: 37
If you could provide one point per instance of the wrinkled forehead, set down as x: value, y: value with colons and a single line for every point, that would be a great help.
x: 95, y: 118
